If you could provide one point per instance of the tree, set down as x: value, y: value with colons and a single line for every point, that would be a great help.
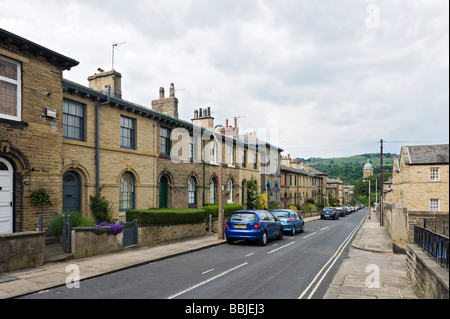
x: 252, y: 195
x: 41, y: 197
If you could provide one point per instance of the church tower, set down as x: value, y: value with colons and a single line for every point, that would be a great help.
x: 368, y: 169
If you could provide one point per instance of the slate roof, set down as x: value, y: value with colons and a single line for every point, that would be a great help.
x: 52, y: 57
x: 428, y: 154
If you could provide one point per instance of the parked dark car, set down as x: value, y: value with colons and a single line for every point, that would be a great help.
x: 256, y: 225
x: 341, y: 211
x: 291, y: 221
x: 329, y: 212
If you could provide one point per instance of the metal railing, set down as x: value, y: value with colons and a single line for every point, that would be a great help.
x: 434, y: 244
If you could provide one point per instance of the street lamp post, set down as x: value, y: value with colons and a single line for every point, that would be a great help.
x: 221, y: 217
x: 365, y: 180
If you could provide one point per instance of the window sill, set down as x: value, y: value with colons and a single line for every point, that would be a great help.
x: 13, y: 122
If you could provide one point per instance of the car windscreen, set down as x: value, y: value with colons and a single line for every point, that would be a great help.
x: 243, y: 217
x: 281, y: 214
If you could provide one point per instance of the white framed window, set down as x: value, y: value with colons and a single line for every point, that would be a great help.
x: 230, y: 191
x: 434, y: 204
x: 230, y: 156
x: 192, y: 191
x: 213, y: 152
x: 10, y: 89
x: 434, y: 174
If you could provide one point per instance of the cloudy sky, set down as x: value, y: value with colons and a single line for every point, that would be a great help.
x: 331, y: 77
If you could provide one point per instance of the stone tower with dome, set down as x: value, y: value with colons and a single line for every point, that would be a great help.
x: 368, y: 170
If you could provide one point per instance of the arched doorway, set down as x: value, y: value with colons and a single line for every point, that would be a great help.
x: 6, y: 196
x: 71, y: 192
x: 163, y: 192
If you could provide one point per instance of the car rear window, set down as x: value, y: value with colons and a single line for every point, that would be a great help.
x: 281, y: 214
x: 243, y: 217
x: 328, y: 208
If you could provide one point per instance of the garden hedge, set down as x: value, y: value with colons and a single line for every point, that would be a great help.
x: 174, y: 216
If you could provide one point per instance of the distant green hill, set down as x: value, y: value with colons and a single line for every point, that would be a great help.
x: 350, y: 169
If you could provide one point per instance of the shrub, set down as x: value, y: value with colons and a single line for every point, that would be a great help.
x: 101, y: 208
x: 273, y: 205
x: 252, y: 195
x: 167, y: 216
x: 227, y: 208
x: 263, y: 202
x: 293, y: 208
x: 78, y: 220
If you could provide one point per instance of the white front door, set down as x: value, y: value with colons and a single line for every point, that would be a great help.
x: 6, y: 197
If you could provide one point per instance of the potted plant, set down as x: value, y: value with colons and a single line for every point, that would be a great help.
x: 41, y: 197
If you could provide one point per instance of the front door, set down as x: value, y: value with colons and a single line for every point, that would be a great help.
x: 71, y: 192
x: 6, y: 196
x: 163, y: 190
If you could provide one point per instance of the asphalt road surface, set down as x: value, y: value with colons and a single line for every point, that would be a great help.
x: 296, y: 267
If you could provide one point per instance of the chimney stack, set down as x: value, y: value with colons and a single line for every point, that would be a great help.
x: 203, y: 118
x: 167, y: 106
x: 101, y: 81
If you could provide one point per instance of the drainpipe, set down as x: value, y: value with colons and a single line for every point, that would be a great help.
x: 97, y: 147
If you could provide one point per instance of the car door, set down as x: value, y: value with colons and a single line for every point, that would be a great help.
x: 272, y: 225
x: 297, y: 221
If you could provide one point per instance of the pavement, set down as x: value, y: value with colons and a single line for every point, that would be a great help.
x: 371, y: 269
x: 372, y: 247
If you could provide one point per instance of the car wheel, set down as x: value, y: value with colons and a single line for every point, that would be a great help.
x: 303, y: 228
x: 281, y: 234
x: 230, y: 241
x: 293, y: 231
x: 263, y: 239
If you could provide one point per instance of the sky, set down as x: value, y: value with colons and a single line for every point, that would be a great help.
x: 321, y: 78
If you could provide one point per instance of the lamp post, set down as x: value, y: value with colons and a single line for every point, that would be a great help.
x: 221, y: 221
x: 365, y: 180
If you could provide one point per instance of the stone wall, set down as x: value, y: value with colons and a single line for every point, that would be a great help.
x: 86, y: 243
x: 430, y: 280
x: 20, y: 251
x: 150, y: 235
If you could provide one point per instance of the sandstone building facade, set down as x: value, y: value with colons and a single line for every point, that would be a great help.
x: 31, y: 129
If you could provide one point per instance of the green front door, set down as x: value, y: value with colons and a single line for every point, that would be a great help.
x: 163, y: 190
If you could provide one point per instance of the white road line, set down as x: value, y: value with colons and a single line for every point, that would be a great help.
x: 208, y: 271
x: 324, y: 228
x: 334, y: 259
x: 250, y: 255
x: 310, y: 234
x: 206, y: 281
x: 270, y: 252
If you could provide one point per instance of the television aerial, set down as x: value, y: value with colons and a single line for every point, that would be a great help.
x: 114, y: 47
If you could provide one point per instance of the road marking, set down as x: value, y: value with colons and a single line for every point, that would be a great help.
x: 324, y: 228
x: 310, y: 234
x: 334, y: 258
x: 206, y: 281
x: 270, y: 252
x: 274, y: 245
x: 249, y: 255
x: 208, y: 271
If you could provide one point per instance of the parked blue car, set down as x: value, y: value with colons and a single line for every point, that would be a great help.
x: 329, y: 212
x: 291, y: 221
x: 256, y: 225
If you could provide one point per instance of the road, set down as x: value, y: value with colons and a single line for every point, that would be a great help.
x: 300, y: 266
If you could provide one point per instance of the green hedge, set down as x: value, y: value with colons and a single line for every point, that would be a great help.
x: 173, y: 216
x: 228, y: 209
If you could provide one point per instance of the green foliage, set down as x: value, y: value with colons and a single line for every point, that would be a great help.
x: 167, y: 216
x: 293, y: 208
x: 78, y: 220
x: 273, y: 205
x: 309, y: 208
x: 227, y: 208
x: 41, y: 197
x: 101, y: 208
x: 252, y: 195
x: 332, y: 200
